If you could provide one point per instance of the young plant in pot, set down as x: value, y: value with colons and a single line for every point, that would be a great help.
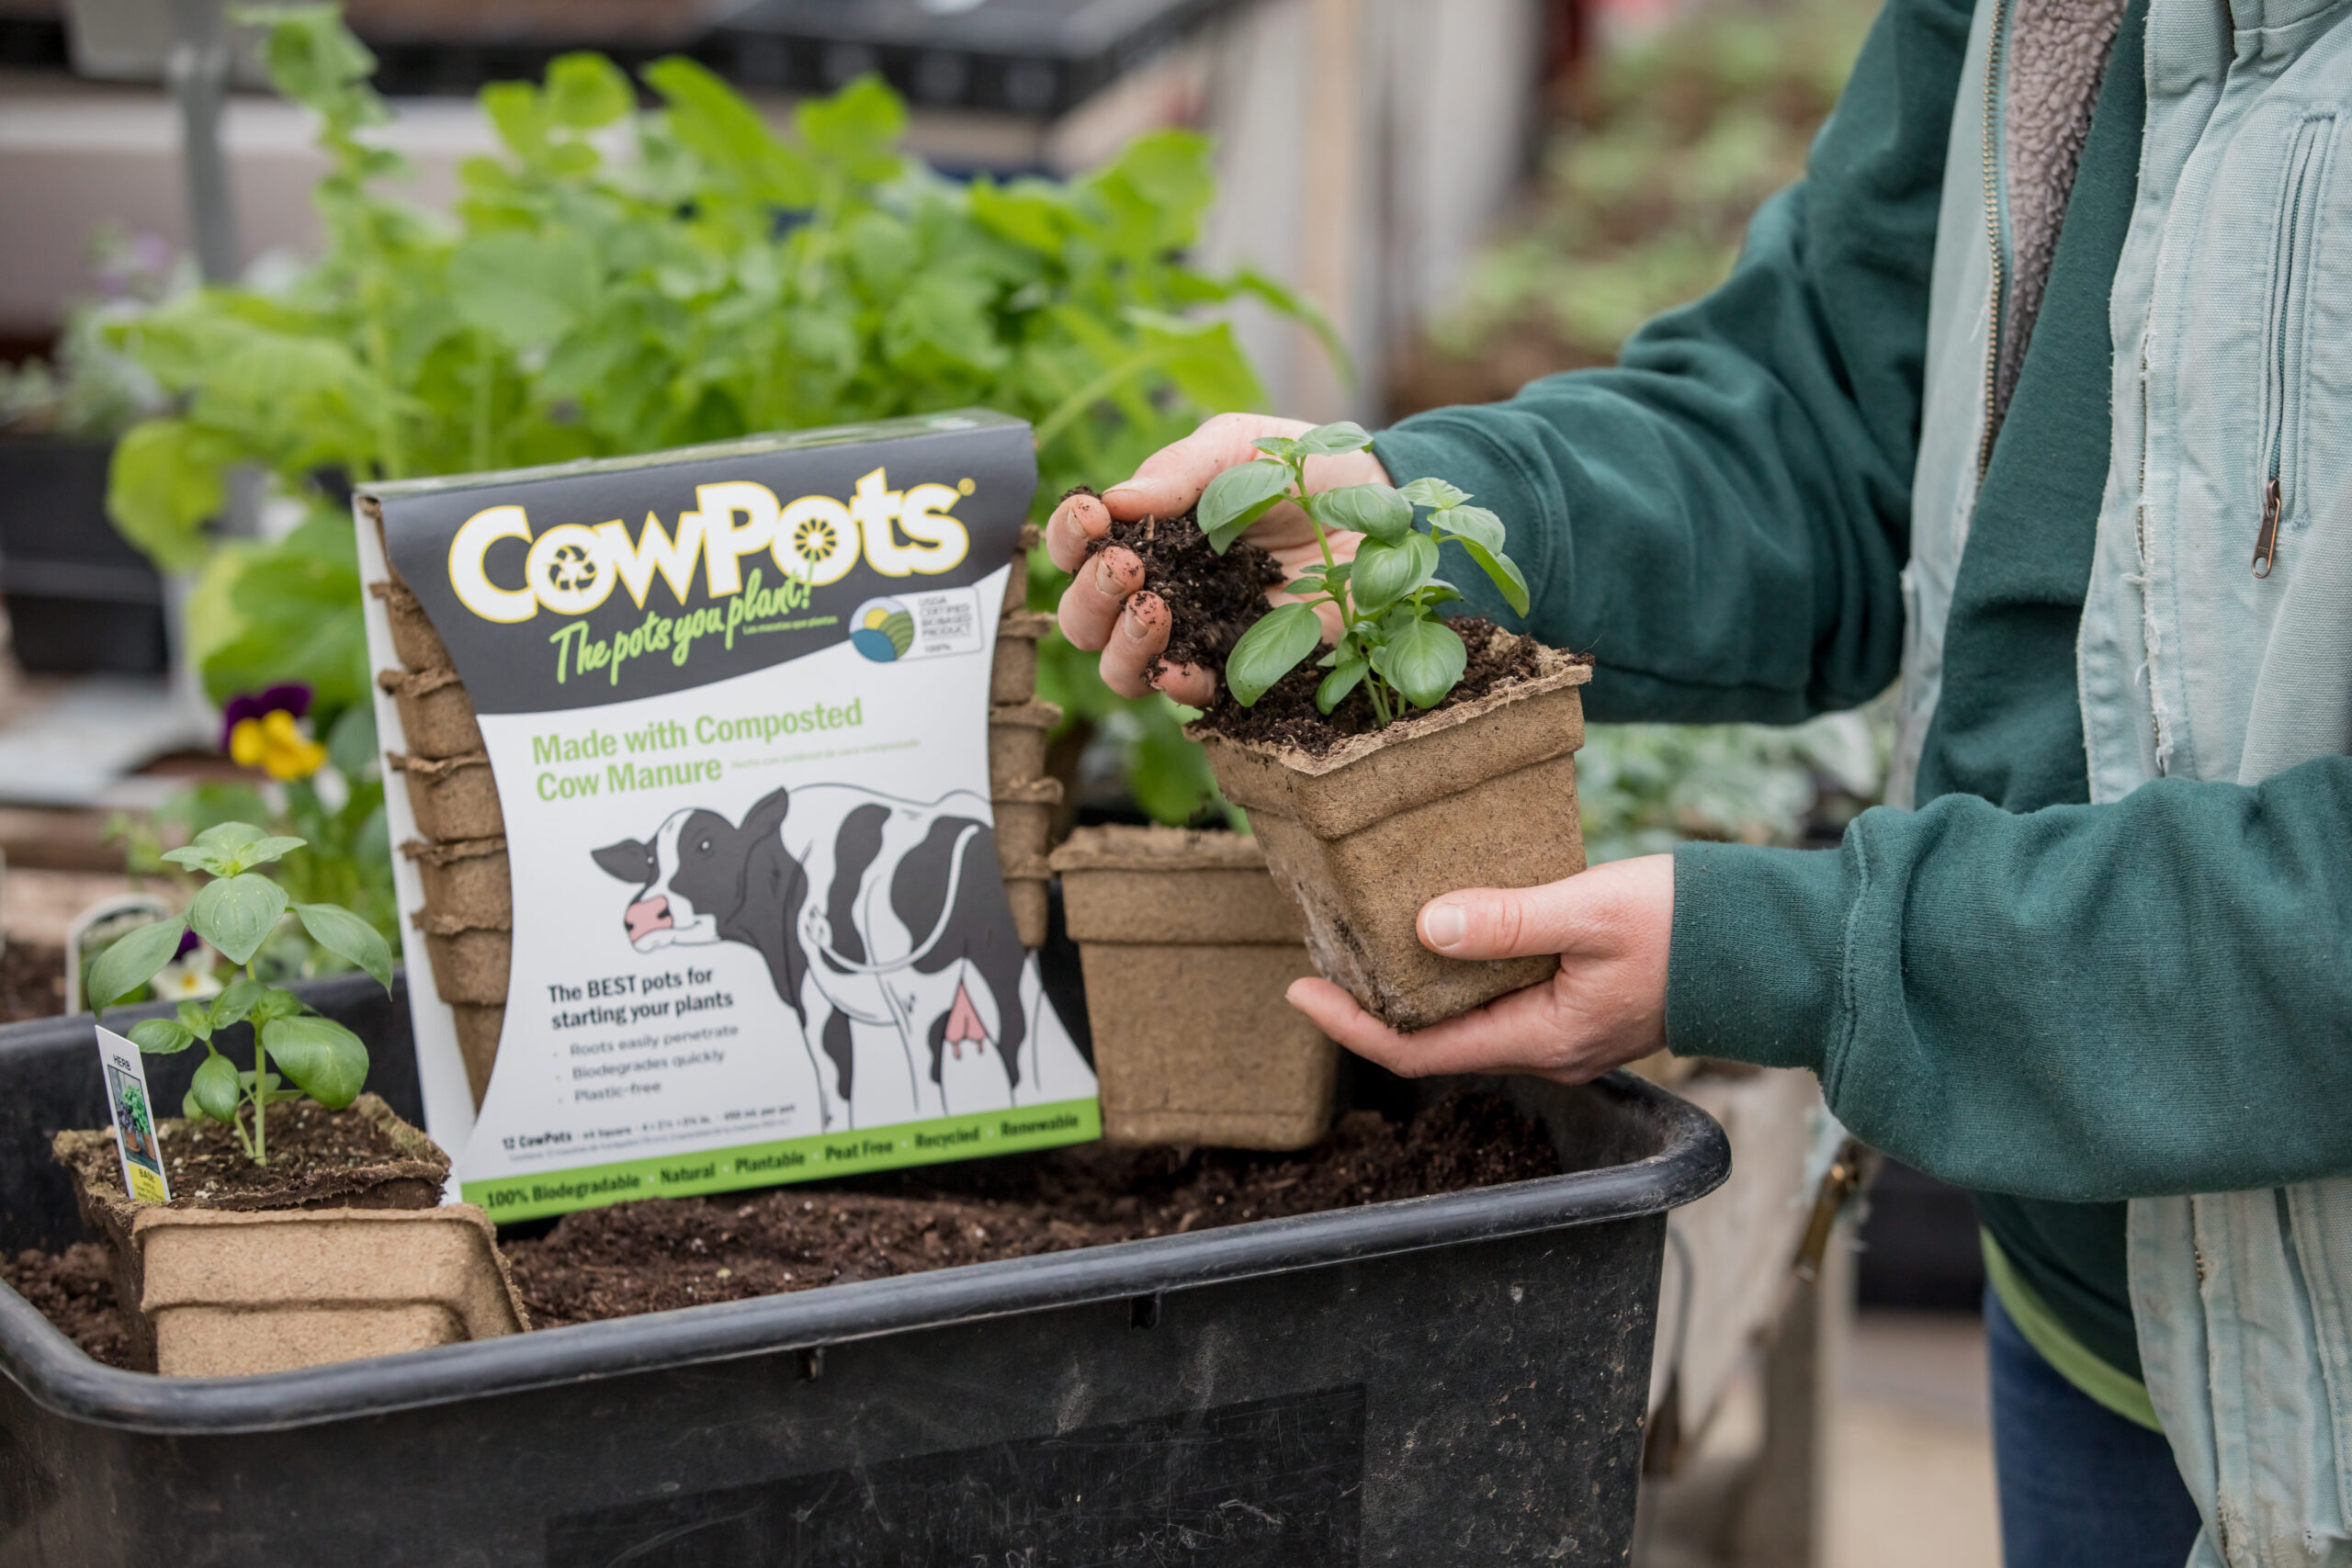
x: 305, y: 1222
x: 1390, y: 778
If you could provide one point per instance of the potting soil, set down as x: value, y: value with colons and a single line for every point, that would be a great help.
x: 665, y: 1253
x: 310, y: 1149
x: 32, y: 982
x: 1211, y: 599
x: 75, y: 1289
x: 1286, y: 713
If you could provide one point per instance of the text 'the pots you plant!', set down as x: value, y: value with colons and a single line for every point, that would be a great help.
x: 236, y: 911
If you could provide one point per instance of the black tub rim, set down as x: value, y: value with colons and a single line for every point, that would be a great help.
x: 1695, y: 1157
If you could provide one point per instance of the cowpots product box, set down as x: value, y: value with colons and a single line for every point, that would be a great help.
x: 734, y: 702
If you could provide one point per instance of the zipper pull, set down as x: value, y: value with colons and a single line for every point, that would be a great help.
x: 2266, y: 544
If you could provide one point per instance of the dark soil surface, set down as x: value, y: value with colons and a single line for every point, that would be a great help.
x: 75, y: 1292
x: 663, y: 1253
x: 32, y: 982
x: 1212, y: 599
x: 314, y: 1154
x: 1286, y: 713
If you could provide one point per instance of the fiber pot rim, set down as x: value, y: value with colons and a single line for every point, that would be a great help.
x: 1693, y: 1159
x: 1419, y: 726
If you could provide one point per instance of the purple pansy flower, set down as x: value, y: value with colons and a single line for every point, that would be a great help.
x: 190, y: 943
x: 294, y: 698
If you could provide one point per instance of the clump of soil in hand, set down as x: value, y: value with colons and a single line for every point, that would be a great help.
x: 32, y: 982
x: 314, y: 1156
x: 75, y: 1289
x: 662, y: 1253
x: 1286, y: 713
x: 1211, y: 599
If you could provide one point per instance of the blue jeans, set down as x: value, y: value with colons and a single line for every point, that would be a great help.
x: 2080, y: 1486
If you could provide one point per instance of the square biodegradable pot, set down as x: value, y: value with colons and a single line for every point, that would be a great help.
x: 233, y: 1294
x: 465, y: 878
x: 470, y: 962
x: 435, y: 714
x: 1013, y: 679
x: 411, y: 1180
x: 1483, y: 794
x: 1188, y: 946
x: 1024, y: 822
x: 413, y: 638
x: 1017, y: 743
x: 454, y: 798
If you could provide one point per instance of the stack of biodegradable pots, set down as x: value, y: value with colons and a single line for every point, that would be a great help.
x: 1188, y: 947
x: 1018, y: 726
x: 365, y: 1263
x: 468, y: 920
x: 1480, y: 794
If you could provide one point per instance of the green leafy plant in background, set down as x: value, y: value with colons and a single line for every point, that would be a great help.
x: 236, y: 911
x: 1391, y: 641
x: 620, y: 280
x: 1643, y: 788
x: 1648, y: 183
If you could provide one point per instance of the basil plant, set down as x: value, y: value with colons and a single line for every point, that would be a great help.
x: 1391, y: 641
x: 235, y: 912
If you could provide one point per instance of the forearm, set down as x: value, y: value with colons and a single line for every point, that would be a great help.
x: 2084, y: 1002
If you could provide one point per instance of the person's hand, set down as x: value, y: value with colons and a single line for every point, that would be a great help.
x: 1110, y: 608
x: 1605, y: 1008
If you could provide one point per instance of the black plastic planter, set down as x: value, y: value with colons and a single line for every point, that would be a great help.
x: 81, y: 597
x: 1457, y: 1378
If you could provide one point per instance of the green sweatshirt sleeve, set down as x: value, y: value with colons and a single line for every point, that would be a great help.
x: 2084, y: 1002
x: 1722, y: 519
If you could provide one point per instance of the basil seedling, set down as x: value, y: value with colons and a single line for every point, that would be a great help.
x: 1391, y: 641
x: 235, y: 912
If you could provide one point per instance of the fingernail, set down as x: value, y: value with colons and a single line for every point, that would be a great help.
x: 1133, y: 625
x: 1446, y: 925
x: 1106, y: 579
x: 1133, y: 487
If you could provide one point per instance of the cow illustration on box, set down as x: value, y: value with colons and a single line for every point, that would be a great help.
x: 884, y: 925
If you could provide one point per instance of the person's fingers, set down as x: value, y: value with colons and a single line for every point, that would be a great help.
x: 1187, y: 683
x: 1076, y: 523
x: 1131, y: 657
x: 1091, y: 605
x: 1503, y: 922
x: 1171, y: 479
x: 1521, y: 1032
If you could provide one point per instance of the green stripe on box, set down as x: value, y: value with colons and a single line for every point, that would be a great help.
x: 530, y: 1196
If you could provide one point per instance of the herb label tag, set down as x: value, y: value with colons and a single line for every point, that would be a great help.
x: 133, y: 1109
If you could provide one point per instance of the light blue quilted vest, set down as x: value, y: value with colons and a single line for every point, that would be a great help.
x: 2216, y: 642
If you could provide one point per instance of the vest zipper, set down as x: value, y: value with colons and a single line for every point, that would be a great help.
x: 2139, y: 530
x: 2286, y: 321
x: 1993, y: 224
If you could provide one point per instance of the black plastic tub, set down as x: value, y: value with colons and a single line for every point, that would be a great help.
x: 1455, y: 1379
x: 81, y: 599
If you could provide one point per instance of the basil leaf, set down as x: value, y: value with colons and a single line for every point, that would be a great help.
x: 1329, y: 440
x: 233, y: 1004
x: 1435, y: 494
x: 214, y: 1087
x: 160, y: 1036
x: 1239, y: 497
x: 1386, y: 573
x: 1342, y: 680
x: 345, y: 935
x: 1375, y: 510
x: 1501, y: 571
x: 131, y: 961
x: 321, y: 1054
x: 1424, y: 658
x: 1470, y: 522
x: 1270, y: 650
x: 237, y: 913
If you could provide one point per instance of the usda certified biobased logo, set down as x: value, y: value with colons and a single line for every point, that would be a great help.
x: 882, y: 629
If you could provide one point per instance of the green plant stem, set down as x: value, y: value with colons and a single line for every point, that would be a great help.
x: 261, y: 1091
x: 1094, y: 393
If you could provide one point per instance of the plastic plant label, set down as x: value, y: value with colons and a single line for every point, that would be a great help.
x: 133, y: 1111
x: 735, y: 705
